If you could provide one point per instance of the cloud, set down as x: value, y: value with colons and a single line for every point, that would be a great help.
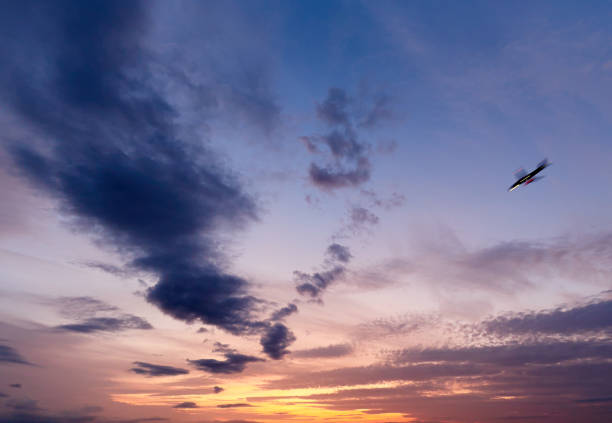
x: 111, y: 269
x: 233, y: 363
x: 550, y: 352
x: 339, y: 253
x: 333, y: 110
x: 237, y: 405
x: 107, y: 324
x: 3, y: 395
x: 284, y: 312
x: 347, y: 164
x: 10, y: 355
x: 333, y: 177
x: 276, y: 340
x: 378, y: 373
x: 151, y: 370
x: 108, y: 145
x: 15, y: 385
x: 218, y: 389
x: 330, y: 351
x: 186, y: 404
x: 22, y: 404
x: 594, y: 317
x: 314, y: 284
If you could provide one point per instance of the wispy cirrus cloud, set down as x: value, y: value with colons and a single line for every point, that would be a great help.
x: 93, y: 315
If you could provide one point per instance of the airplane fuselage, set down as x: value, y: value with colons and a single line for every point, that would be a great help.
x: 527, y: 178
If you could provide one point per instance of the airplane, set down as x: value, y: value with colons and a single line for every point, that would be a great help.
x: 524, y: 178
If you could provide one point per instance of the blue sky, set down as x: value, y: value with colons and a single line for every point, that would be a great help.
x: 305, y: 204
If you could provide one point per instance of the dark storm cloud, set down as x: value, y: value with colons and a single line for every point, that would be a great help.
x: 592, y: 317
x: 10, y: 355
x: 105, y: 143
x: 284, y: 312
x: 276, y: 340
x: 151, y: 370
x: 186, y: 404
x: 237, y: 405
x: 330, y: 351
x: 233, y: 363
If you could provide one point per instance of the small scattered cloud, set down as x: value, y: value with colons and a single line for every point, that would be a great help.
x: 276, y: 340
x: 15, y: 385
x: 218, y: 389
x: 236, y: 405
x: 233, y: 363
x: 186, y: 404
x: 313, y: 285
x: 10, y: 355
x: 284, y: 312
x: 152, y: 370
x: 339, y: 253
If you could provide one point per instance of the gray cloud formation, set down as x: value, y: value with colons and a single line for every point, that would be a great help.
x: 233, y: 363
x: 10, y: 355
x: 186, y: 404
x: 313, y: 285
x: 111, y: 148
x: 152, y: 370
x: 330, y: 351
x: 284, y: 312
x: 594, y: 317
x: 339, y: 253
x: 235, y: 405
x: 87, y: 311
x: 348, y: 165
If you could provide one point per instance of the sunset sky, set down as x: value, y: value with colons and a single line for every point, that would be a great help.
x: 298, y: 211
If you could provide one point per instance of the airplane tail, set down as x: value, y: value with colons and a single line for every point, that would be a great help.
x: 544, y: 163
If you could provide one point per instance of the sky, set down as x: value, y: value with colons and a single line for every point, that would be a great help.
x: 285, y: 211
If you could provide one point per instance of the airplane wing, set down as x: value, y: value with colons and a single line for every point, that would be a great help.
x: 520, y: 173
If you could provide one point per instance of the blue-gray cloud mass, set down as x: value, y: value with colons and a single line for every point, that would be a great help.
x: 105, y: 144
